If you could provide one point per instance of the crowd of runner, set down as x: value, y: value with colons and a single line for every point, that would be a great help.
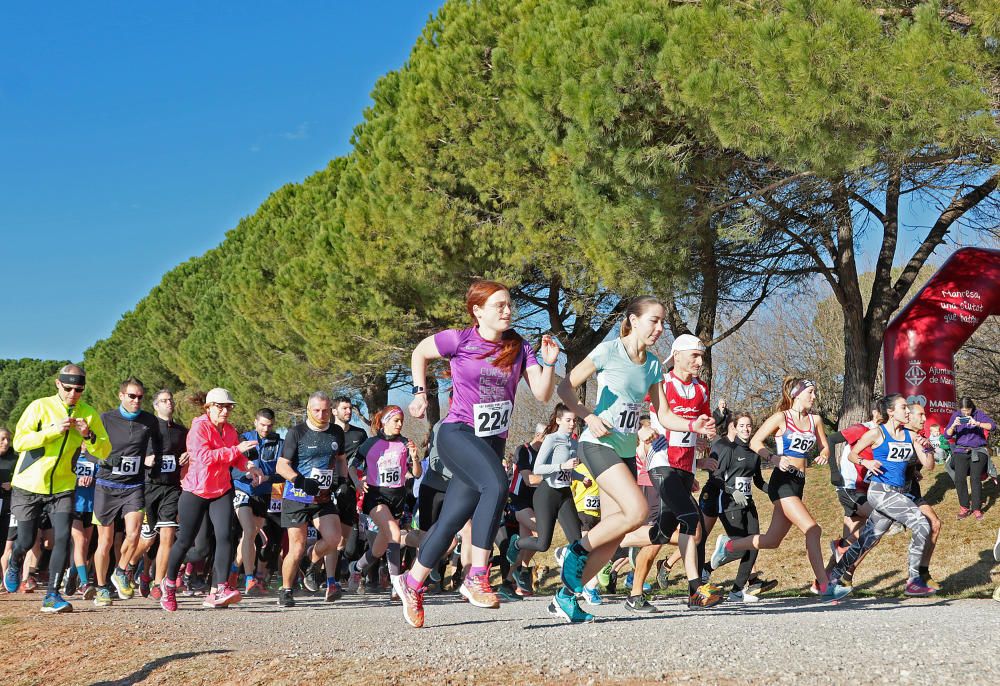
x: 104, y: 506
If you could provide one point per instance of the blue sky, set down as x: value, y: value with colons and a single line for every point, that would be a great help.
x: 134, y: 135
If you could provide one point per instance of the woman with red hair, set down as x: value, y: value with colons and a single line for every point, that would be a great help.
x: 488, y: 361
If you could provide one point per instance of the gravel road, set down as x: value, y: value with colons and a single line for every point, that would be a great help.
x: 865, y: 641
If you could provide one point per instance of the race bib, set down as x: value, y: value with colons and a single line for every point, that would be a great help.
x: 312, y: 535
x: 274, y: 506
x: 129, y: 466
x: 492, y: 419
x: 323, y: 476
x: 899, y: 452
x: 85, y: 468
x: 168, y: 464
x: 682, y: 439
x: 625, y: 417
x: 742, y: 484
x: 563, y: 478
x: 801, y: 443
x: 592, y: 502
x: 240, y: 498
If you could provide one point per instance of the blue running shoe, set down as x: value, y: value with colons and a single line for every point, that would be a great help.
x: 12, y: 579
x: 592, y: 596
x: 572, y: 568
x: 720, y: 556
x: 54, y: 603
x: 834, y: 592
x: 512, y: 549
x: 565, y: 605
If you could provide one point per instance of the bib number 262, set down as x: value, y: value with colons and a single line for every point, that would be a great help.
x: 492, y: 419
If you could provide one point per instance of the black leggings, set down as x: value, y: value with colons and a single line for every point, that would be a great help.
x: 549, y: 503
x: 477, y: 490
x: 967, y: 470
x: 677, y: 507
x: 429, y: 504
x: 27, y: 530
x: 191, y: 511
x: 740, y: 522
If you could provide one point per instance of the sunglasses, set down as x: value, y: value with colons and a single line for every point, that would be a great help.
x: 73, y: 389
x: 223, y: 406
x: 135, y: 396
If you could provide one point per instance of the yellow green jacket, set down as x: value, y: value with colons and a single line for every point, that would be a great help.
x: 47, y: 455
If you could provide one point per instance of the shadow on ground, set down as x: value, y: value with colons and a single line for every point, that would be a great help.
x: 150, y: 667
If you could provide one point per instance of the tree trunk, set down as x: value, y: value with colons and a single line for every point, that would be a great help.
x: 375, y: 392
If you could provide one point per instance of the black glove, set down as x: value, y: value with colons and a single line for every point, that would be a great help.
x: 310, y: 486
x: 345, y: 490
x: 113, y: 462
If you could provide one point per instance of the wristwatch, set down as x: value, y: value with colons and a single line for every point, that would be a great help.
x: 418, y: 389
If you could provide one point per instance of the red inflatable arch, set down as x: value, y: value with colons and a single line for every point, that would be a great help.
x: 921, y: 342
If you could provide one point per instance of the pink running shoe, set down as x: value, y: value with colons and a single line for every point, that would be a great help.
x: 224, y: 596
x: 168, y: 599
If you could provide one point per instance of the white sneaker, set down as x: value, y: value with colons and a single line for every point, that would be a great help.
x: 896, y: 528
x: 741, y: 597
x: 560, y: 555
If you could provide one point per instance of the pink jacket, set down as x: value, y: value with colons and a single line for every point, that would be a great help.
x: 211, y: 455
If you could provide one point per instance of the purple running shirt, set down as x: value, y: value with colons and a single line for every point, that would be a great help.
x: 483, y: 396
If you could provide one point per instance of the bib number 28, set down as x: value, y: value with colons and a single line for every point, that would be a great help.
x: 492, y: 419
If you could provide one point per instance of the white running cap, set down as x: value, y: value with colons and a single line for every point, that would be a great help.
x: 683, y: 342
x: 220, y: 396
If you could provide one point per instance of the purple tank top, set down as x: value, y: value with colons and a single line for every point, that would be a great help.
x: 483, y: 396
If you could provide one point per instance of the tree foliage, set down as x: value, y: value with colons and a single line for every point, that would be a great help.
x: 714, y: 153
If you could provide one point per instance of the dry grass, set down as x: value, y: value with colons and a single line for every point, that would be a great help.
x: 962, y: 564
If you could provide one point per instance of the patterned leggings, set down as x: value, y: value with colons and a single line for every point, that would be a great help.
x: 889, y: 506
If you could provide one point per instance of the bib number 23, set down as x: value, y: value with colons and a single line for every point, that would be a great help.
x: 492, y: 419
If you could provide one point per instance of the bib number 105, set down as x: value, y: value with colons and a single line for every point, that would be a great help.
x: 492, y: 419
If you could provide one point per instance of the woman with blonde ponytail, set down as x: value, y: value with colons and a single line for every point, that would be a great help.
x: 796, y: 432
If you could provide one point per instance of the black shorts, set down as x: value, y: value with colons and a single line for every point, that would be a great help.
x: 916, y: 495
x: 258, y: 504
x: 429, y: 502
x: 86, y: 519
x: 294, y: 513
x: 851, y: 500
x: 347, y: 505
x: 598, y: 458
x: 588, y: 521
x: 161, y: 507
x: 393, y: 498
x: 786, y: 484
x: 708, y: 501
x: 25, y: 505
x: 113, y: 503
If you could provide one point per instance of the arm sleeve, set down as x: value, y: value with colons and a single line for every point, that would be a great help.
x: 836, y: 439
x: 447, y: 342
x: 758, y: 478
x: 198, y: 442
x: 544, y: 463
x: 100, y: 447
x: 28, y: 435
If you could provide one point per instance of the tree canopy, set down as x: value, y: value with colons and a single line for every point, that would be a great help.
x: 713, y: 153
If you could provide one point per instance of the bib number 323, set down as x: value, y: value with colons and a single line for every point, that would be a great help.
x: 492, y: 419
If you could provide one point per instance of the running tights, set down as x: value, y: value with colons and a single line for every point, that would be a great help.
x: 477, y: 491
x: 191, y: 510
x: 888, y: 507
x: 678, y: 510
x: 27, y: 530
x: 550, y: 503
x: 739, y: 523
